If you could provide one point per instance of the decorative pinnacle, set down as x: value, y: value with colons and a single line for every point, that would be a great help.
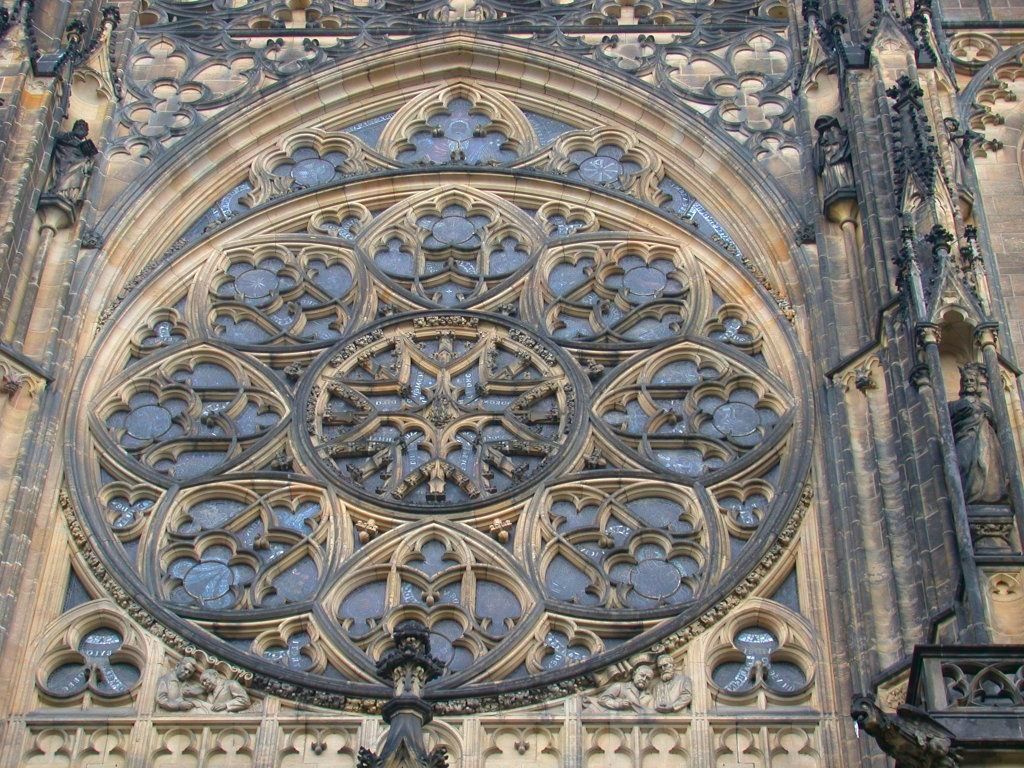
x: 940, y: 239
x: 409, y: 665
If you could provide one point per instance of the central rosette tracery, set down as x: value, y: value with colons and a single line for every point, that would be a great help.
x: 449, y: 410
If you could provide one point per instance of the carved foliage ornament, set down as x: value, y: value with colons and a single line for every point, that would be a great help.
x: 302, y: 439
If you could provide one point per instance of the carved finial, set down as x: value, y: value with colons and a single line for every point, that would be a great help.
x: 409, y: 666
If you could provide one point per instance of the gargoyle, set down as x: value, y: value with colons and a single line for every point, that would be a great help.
x: 910, y: 736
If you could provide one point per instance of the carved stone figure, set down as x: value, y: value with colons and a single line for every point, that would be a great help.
x: 672, y: 692
x: 977, y: 446
x: 910, y: 736
x: 832, y: 160
x: 73, y: 158
x: 222, y: 693
x: 178, y: 690
x: 634, y: 694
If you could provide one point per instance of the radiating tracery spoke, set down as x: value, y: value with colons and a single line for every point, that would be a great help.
x: 472, y: 487
x: 444, y: 410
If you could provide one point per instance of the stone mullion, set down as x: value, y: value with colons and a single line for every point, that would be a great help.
x: 874, y: 544
x: 574, y: 736
x: 472, y: 734
x: 268, y: 735
x: 855, y: 631
x: 898, y: 534
x: 702, y: 746
x: 986, y: 338
x: 868, y: 125
x: 921, y: 492
x: 35, y: 132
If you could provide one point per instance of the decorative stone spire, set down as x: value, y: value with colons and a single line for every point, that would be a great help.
x: 409, y: 666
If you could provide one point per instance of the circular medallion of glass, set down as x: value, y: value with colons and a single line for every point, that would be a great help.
x: 434, y: 412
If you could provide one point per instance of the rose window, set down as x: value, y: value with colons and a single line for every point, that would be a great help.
x: 455, y: 409
x: 547, y: 422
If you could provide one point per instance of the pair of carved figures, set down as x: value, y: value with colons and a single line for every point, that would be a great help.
x: 670, y: 692
x: 184, y: 689
x: 977, y: 445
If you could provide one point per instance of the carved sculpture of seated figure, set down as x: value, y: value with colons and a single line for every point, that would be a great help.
x: 633, y: 694
x: 178, y: 690
x: 223, y: 694
x: 672, y: 690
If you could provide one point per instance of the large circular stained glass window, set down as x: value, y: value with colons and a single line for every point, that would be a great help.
x: 552, y: 422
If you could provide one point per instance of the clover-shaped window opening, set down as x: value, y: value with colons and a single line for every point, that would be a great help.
x: 308, y: 168
x: 746, y: 512
x: 560, y: 651
x: 346, y: 229
x: 147, y: 420
x: 164, y: 331
x: 561, y: 226
x: 609, y: 301
x: 99, y: 668
x: 287, y: 300
x: 655, y: 574
x: 605, y: 167
x: 759, y: 668
x: 214, y: 579
x: 295, y: 654
x: 460, y: 134
x: 736, y: 332
x: 123, y: 512
x: 743, y: 420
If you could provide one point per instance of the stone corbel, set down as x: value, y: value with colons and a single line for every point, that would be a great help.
x: 19, y: 375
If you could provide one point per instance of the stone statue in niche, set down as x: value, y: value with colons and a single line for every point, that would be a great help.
x: 832, y: 160
x: 73, y: 158
x: 977, y: 446
x: 670, y: 692
x: 183, y: 689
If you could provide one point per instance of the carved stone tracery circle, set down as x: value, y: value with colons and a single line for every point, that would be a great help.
x: 290, y: 412
x: 440, y: 411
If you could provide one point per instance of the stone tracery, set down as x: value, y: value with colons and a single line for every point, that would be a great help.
x: 304, y: 348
